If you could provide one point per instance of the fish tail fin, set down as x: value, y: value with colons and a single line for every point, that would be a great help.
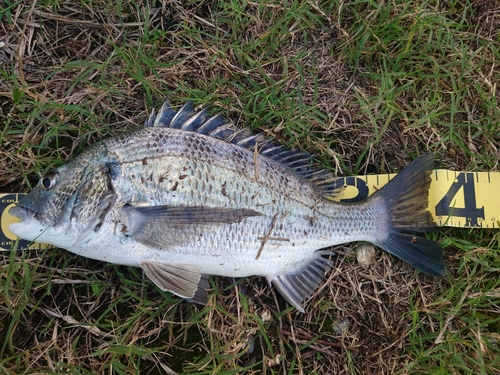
x: 407, y: 198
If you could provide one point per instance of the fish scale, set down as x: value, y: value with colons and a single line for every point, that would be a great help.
x: 190, y: 195
x: 206, y: 184
x: 194, y: 146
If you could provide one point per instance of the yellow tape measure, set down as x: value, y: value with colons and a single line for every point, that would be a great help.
x: 6, y: 236
x: 456, y: 199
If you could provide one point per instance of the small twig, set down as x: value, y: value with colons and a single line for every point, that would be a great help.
x: 303, y: 339
x: 76, y: 21
x: 450, y: 317
x: 267, y: 236
x: 70, y: 320
x: 274, y: 239
x: 256, y: 161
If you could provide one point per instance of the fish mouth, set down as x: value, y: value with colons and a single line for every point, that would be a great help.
x: 23, y: 213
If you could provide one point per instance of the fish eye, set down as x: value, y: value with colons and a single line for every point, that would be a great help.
x: 48, y: 181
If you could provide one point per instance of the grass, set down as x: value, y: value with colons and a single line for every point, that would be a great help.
x: 365, y: 86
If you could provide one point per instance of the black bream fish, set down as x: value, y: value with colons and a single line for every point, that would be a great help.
x: 190, y: 195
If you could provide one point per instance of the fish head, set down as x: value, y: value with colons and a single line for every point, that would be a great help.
x: 65, y: 203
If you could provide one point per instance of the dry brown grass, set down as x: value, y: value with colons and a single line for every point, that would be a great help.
x: 74, y: 72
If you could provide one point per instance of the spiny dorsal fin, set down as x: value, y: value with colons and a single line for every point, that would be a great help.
x: 187, y: 118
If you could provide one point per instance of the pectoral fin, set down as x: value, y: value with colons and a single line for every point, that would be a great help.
x: 184, y: 280
x: 167, y: 226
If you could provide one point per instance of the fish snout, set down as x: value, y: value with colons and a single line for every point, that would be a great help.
x: 23, y: 213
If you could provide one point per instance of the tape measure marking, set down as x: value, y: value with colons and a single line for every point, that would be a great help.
x: 449, y: 206
x: 456, y: 199
x: 6, y: 236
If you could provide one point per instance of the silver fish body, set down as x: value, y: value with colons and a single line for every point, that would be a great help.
x: 189, y: 196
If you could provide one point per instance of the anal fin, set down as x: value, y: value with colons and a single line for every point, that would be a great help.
x: 297, y: 287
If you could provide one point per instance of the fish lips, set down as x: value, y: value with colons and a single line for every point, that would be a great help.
x: 23, y: 213
x: 31, y: 229
x: 27, y: 228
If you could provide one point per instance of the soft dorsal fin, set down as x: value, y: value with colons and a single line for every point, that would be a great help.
x: 301, y: 163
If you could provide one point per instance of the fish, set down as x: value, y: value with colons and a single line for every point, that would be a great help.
x: 191, y: 195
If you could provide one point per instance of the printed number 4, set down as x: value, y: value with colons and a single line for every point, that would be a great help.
x: 470, y: 212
